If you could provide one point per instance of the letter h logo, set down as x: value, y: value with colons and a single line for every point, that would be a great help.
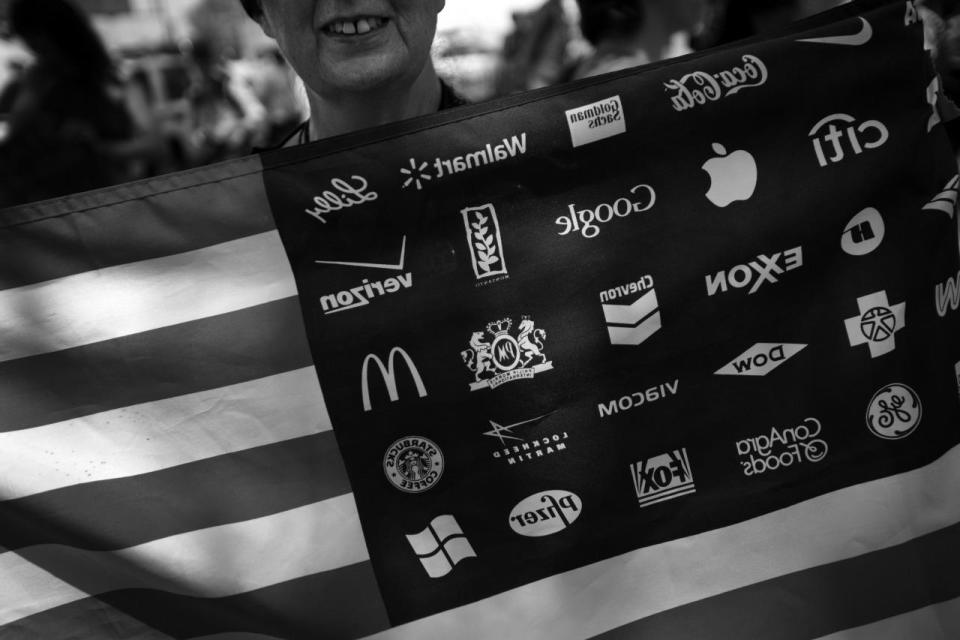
x: 441, y: 546
x: 388, y: 373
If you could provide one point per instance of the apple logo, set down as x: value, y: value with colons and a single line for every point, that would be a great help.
x: 732, y: 176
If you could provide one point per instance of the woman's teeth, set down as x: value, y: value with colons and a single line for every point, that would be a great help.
x: 359, y: 26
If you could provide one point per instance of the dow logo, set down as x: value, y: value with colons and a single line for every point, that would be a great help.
x: 388, y: 373
x: 631, y: 324
x: 864, y: 233
x: 663, y: 477
x: 894, y: 412
x: 441, y: 546
x: 760, y: 359
x: 877, y: 324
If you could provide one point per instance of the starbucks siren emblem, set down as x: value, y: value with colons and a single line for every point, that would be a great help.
x: 413, y: 464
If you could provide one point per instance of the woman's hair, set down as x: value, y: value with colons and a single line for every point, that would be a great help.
x: 600, y: 19
x: 252, y: 8
x: 65, y: 29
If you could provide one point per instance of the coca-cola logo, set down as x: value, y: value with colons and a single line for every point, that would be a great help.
x: 700, y: 87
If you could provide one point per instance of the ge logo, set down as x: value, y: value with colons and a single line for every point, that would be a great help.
x: 878, y: 324
x: 894, y: 412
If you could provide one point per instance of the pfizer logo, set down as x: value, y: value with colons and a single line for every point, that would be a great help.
x: 545, y: 513
x: 413, y: 464
x: 894, y: 412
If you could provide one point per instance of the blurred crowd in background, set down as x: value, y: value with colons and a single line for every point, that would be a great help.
x: 87, y: 100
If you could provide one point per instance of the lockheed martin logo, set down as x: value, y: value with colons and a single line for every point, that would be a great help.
x: 388, y: 374
x: 507, y: 358
x: 631, y: 324
x: 441, y: 546
x: 760, y: 359
x: 877, y: 323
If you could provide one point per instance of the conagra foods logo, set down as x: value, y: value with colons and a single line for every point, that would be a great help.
x: 486, y: 245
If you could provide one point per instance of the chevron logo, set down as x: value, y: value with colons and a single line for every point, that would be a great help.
x: 633, y: 324
x: 946, y: 200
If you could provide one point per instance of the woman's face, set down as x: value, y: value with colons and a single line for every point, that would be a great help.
x: 344, y: 46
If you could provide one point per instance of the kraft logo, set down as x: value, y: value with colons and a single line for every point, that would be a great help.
x: 388, y: 374
x: 869, y: 134
x: 545, y: 513
x: 864, y: 233
x: 441, y: 546
x: 596, y: 121
x: 760, y: 359
x: 663, y: 477
x: 756, y: 273
x: 632, y: 324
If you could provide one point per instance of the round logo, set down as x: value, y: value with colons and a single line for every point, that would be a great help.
x: 878, y: 324
x: 894, y: 412
x: 506, y: 352
x: 413, y: 464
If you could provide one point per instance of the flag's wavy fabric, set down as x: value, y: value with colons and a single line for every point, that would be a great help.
x: 670, y: 353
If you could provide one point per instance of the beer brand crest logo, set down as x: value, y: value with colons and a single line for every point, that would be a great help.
x: 413, y: 464
x: 506, y: 358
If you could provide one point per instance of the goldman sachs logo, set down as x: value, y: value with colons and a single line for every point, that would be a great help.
x: 421, y: 173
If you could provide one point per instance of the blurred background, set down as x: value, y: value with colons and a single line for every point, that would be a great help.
x: 191, y: 82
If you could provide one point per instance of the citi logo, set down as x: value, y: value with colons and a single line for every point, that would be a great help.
x: 632, y: 324
x: 760, y: 359
x: 948, y: 296
x: 545, y: 513
x: 663, y: 477
x: 388, y: 373
x: 587, y: 221
x: 596, y: 121
x: 756, y: 273
x: 421, y: 173
x: 441, y: 546
x: 832, y: 130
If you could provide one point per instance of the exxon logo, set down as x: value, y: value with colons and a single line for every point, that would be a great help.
x: 760, y: 359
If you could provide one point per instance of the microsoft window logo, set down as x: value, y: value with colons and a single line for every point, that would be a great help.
x: 441, y: 546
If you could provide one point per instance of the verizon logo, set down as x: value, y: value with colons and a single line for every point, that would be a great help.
x: 760, y: 359
x: 632, y: 324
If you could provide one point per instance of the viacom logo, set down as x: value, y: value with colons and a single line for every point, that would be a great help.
x: 700, y: 87
x: 663, y: 477
x: 638, y: 399
x: 760, y: 359
x: 596, y: 121
x: 545, y: 513
x: 782, y: 448
x: 388, y: 375
x: 631, y: 324
x: 756, y: 273
x: 869, y: 134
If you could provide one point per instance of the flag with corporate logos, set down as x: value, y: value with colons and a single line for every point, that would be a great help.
x: 669, y: 353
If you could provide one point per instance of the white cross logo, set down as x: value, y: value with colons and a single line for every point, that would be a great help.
x: 877, y: 323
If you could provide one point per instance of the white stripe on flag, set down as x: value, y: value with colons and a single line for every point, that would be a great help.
x: 120, y: 301
x: 936, y: 622
x: 216, y: 562
x: 162, y: 434
x: 594, y: 599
